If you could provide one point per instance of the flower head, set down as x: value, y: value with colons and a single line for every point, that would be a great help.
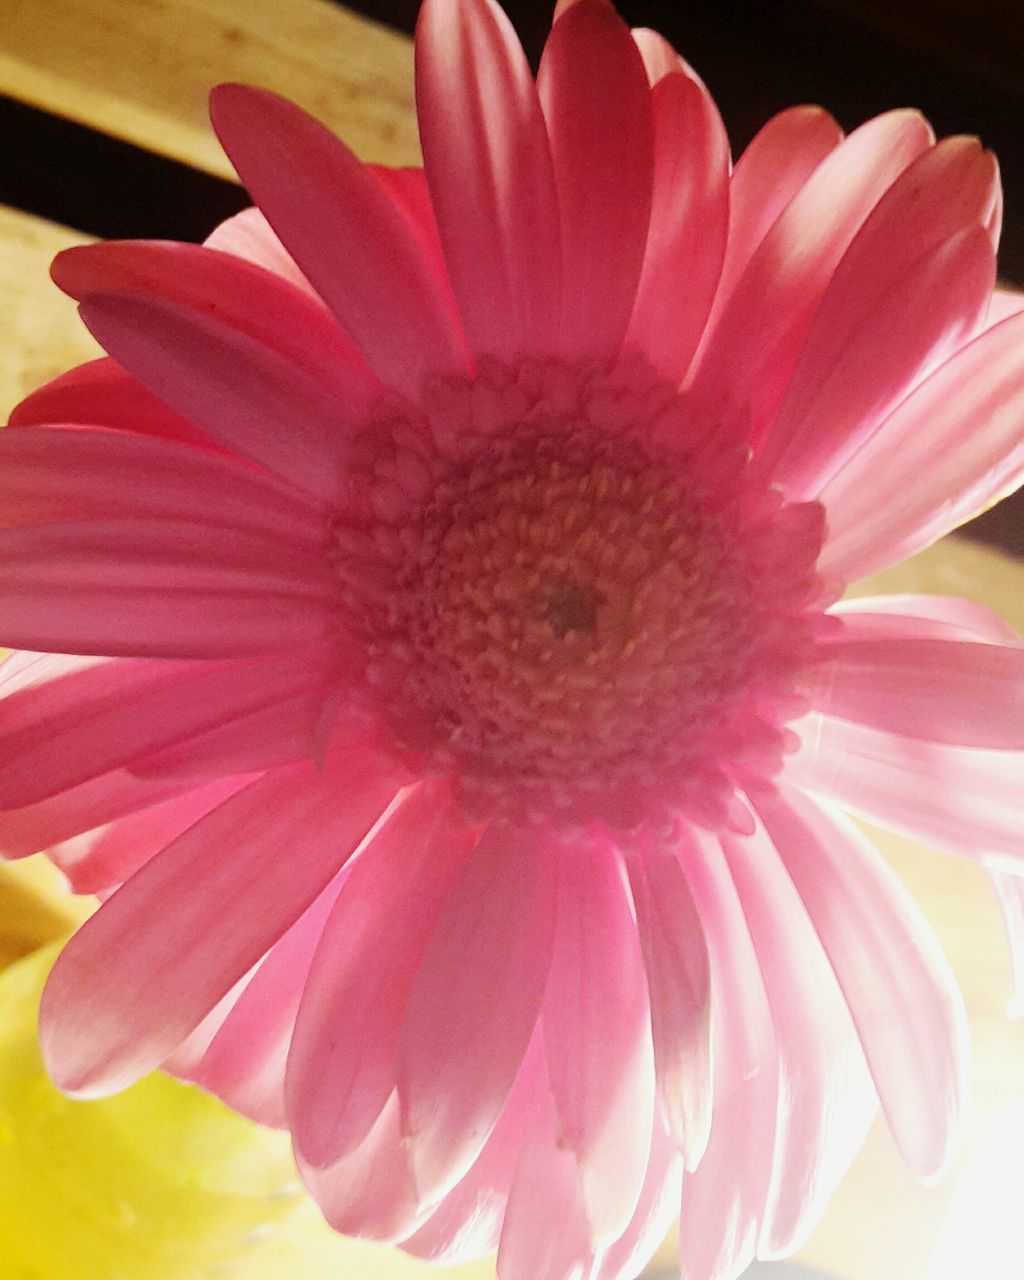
x: 464, y: 716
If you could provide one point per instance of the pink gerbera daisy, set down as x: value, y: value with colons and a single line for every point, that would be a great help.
x: 463, y: 720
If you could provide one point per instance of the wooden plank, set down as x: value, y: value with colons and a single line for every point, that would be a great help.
x: 142, y: 69
x: 40, y: 332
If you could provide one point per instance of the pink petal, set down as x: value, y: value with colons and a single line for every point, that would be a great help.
x: 948, y: 452
x: 754, y: 347
x: 370, y: 1193
x: 897, y: 984
x: 341, y: 1070
x: 658, y: 1206
x: 49, y: 475
x: 474, y: 1002
x: 1009, y: 890
x: 248, y: 235
x: 237, y: 294
x: 776, y: 163
x: 724, y: 1200
x: 961, y: 799
x: 602, y: 145
x: 840, y: 391
x: 101, y: 394
x: 894, y: 276
x: 344, y: 234
x: 944, y: 617
x: 689, y: 223
x: 244, y: 1062
x: 101, y: 859
x: 467, y: 1223
x: 243, y: 393
x: 160, y: 953
x: 158, y: 588
x: 676, y: 960
x: 408, y: 191
x: 597, y: 1038
x: 1005, y: 303
x: 825, y: 1098
x: 942, y: 690
x: 545, y: 1235
x: 489, y: 168
x: 112, y: 714
x: 283, y: 731
x: 660, y: 58
x: 187, y: 1056
x: 50, y: 823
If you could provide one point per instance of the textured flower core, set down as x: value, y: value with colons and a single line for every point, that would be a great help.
x: 573, y: 623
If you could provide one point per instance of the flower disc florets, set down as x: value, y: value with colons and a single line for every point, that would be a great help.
x: 568, y: 605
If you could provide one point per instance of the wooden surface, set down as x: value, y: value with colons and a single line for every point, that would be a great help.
x: 140, y: 69
x: 40, y: 333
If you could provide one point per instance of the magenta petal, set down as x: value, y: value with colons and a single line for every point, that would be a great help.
x: 342, y: 1066
x: 597, y: 1038
x: 256, y: 402
x: 369, y: 270
x: 474, y: 1002
x: 948, y: 452
x: 825, y: 1097
x: 101, y: 394
x: 159, y: 954
x: 49, y: 475
x: 676, y: 961
x: 602, y: 145
x: 158, y: 588
x: 941, y: 690
x: 903, y: 998
x: 488, y: 164
x: 689, y: 224
x: 236, y: 294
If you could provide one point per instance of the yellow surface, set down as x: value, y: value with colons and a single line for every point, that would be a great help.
x: 159, y: 1183
x: 142, y: 69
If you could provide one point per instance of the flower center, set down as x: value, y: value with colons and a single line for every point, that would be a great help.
x: 576, y: 625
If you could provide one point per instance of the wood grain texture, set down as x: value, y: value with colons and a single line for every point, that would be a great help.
x: 142, y: 69
x: 40, y: 332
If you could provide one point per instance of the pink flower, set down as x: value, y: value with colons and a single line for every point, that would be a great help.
x: 466, y: 721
